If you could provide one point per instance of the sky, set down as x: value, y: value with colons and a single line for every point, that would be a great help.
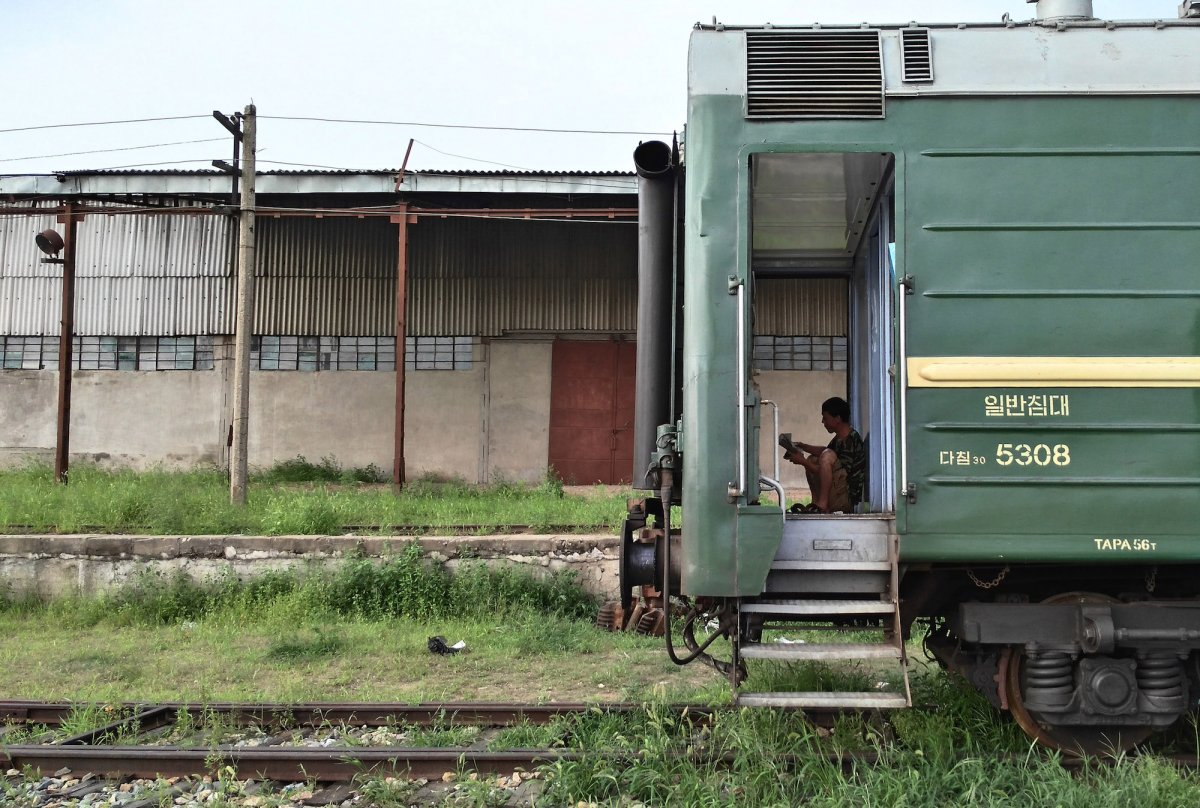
x: 617, y: 68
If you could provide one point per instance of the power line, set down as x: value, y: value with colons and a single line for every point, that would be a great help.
x: 101, y: 123
x: 130, y: 165
x: 474, y: 159
x: 462, y: 126
x: 104, y: 151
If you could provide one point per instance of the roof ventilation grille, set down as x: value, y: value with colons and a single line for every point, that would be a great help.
x: 814, y: 74
x: 917, y: 59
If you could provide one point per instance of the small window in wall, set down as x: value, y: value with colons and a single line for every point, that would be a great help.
x: 111, y: 353
x: 439, y: 353
x: 799, y: 353
x: 28, y: 353
x: 309, y: 353
x: 270, y: 352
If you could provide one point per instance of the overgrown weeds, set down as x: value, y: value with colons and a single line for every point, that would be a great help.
x: 960, y: 754
x: 300, y: 470
x: 402, y: 585
x: 293, y: 497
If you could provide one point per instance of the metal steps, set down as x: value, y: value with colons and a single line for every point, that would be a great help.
x: 828, y: 607
x: 829, y: 566
x: 825, y: 652
x: 866, y: 700
x: 829, y: 575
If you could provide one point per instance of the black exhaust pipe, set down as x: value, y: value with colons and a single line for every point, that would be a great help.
x: 656, y: 241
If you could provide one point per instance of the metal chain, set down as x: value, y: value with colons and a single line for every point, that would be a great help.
x: 988, y: 584
x: 1152, y: 579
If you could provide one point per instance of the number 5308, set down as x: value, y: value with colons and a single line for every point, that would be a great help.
x: 1039, y: 454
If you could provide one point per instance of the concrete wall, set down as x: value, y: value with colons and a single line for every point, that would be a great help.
x: 799, y: 395
x: 55, y: 566
x: 518, y: 411
x: 133, y: 419
x: 28, y: 400
x: 346, y: 415
x: 483, y: 424
x: 443, y: 422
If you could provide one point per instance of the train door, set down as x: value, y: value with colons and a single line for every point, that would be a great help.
x: 822, y: 249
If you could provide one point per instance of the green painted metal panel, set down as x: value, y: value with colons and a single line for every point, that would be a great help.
x: 1033, y: 227
x: 1034, y: 548
x: 759, y: 532
x: 1054, y: 228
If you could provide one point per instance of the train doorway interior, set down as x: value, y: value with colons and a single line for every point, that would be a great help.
x: 831, y: 216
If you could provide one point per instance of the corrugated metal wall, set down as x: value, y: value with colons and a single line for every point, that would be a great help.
x: 489, y: 277
x: 332, y: 277
x: 135, y: 275
x: 171, y: 274
x: 802, y: 307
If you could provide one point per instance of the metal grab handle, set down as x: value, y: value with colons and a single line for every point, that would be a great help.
x: 765, y: 483
x: 905, y: 288
x: 741, y: 383
x: 775, y: 408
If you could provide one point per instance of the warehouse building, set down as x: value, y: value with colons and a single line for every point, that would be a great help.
x: 518, y: 328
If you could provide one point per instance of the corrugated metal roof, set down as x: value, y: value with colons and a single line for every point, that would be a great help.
x: 169, y: 183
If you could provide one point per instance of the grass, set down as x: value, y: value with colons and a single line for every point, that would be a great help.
x: 359, y: 633
x: 293, y: 497
x: 403, y: 585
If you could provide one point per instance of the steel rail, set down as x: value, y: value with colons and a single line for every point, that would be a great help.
x: 346, y: 764
x: 488, y: 714
x: 278, y: 763
x: 298, y: 763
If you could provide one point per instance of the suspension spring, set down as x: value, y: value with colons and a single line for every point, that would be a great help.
x: 1049, y: 678
x: 1161, y: 675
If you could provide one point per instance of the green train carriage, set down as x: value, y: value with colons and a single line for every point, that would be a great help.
x: 1013, y: 209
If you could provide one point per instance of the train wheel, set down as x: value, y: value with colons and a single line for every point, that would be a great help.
x: 1070, y: 740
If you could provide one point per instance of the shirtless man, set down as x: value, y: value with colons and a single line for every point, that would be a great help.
x: 835, y: 472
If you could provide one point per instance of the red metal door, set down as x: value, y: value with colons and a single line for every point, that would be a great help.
x: 591, y: 411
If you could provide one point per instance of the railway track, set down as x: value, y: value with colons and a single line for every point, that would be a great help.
x: 329, y: 749
x: 325, y: 743
x: 320, y: 751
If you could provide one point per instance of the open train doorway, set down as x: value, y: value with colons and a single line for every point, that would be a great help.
x: 822, y: 255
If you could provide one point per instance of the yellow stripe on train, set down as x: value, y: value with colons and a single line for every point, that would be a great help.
x: 1054, y: 371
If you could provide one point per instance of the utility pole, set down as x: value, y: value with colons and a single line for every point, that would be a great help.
x: 239, y: 459
x: 234, y: 126
x: 66, y: 338
x: 51, y: 243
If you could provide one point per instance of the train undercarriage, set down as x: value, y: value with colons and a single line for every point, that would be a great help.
x: 1096, y: 669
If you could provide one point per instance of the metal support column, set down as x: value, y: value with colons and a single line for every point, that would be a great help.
x: 62, y: 446
x: 401, y: 221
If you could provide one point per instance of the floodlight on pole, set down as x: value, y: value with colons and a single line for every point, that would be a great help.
x: 51, y: 243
